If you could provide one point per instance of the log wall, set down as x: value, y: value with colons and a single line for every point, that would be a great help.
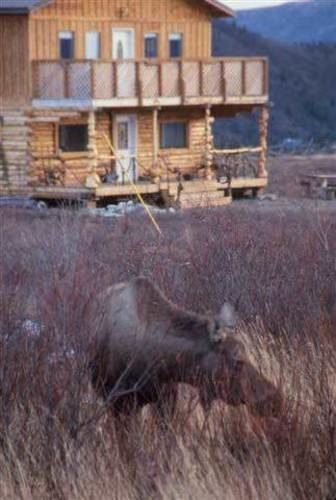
x: 44, y: 148
x: 45, y: 153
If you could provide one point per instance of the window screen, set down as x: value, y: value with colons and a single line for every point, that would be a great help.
x: 175, y: 45
x: 66, y: 44
x: 173, y: 135
x: 151, y: 45
x: 73, y: 138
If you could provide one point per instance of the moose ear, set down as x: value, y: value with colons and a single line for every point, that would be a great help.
x: 228, y: 316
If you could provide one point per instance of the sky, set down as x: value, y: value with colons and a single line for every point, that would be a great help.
x: 246, y: 4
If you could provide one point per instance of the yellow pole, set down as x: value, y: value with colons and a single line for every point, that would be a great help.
x: 135, y: 187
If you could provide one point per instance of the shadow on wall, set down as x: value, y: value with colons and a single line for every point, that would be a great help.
x: 3, y: 162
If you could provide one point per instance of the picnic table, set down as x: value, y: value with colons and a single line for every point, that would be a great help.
x: 322, y: 183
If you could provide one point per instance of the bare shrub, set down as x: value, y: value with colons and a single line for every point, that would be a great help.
x: 57, y: 439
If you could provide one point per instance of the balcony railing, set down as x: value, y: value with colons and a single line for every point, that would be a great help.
x: 143, y: 83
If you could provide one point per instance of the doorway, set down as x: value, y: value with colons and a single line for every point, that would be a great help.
x: 123, y: 43
x: 125, y: 139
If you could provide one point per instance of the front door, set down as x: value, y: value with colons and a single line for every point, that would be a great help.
x: 126, y: 147
x: 123, y: 43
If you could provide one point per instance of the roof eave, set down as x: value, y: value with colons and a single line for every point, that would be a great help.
x: 219, y: 9
x: 11, y: 11
x: 24, y: 10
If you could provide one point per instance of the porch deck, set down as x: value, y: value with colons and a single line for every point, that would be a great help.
x: 186, y: 194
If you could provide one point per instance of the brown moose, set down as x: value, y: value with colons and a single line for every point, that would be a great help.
x: 146, y: 345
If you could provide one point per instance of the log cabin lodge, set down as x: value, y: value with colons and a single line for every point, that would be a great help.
x: 101, y: 97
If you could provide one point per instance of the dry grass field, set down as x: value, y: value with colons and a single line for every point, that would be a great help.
x: 57, y: 439
x: 286, y: 171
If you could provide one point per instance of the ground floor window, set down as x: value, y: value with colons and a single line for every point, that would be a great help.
x: 173, y: 135
x: 73, y: 138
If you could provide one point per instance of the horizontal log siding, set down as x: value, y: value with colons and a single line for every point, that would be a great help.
x: 144, y: 16
x: 44, y: 143
x: 184, y: 159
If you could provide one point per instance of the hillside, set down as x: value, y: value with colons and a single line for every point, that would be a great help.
x: 293, y: 22
x: 302, y: 80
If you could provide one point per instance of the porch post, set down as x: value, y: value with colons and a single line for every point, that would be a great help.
x: 156, y: 172
x: 208, y: 143
x: 263, y: 130
x: 92, y: 142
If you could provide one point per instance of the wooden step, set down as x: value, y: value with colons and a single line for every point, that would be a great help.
x: 197, y: 186
x: 203, y: 200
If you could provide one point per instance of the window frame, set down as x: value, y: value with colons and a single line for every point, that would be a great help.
x: 187, y: 134
x: 98, y: 33
x: 157, y: 37
x: 180, y: 34
x: 72, y: 38
x: 64, y: 153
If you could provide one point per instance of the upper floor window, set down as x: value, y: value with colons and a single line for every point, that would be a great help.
x: 173, y: 135
x: 151, y: 45
x: 175, y: 45
x: 66, y: 44
x: 73, y: 138
x: 92, y: 45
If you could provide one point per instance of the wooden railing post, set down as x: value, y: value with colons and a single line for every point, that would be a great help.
x: 160, y: 83
x: 243, y: 73
x: 93, y: 79
x: 66, y: 79
x: 223, y: 81
x: 182, y: 83
x: 265, y: 77
x: 116, y: 82
x: 138, y: 83
x: 34, y: 79
x: 201, y: 79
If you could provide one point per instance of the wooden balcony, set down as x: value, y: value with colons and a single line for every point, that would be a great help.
x: 130, y: 83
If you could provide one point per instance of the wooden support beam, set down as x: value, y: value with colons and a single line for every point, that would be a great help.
x: 155, y: 137
x: 92, y: 142
x: 208, y: 144
x: 263, y: 130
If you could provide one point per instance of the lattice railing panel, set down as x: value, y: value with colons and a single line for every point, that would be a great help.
x: 149, y: 75
x: 238, y: 77
x: 170, y: 79
x: 254, y: 78
x: 212, y: 79
x: 191, y: 75
x: 233, y: 77
x: 49, y: 80
x: 126, y: 79
x: 79, y: 78
x: 104, y: 80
